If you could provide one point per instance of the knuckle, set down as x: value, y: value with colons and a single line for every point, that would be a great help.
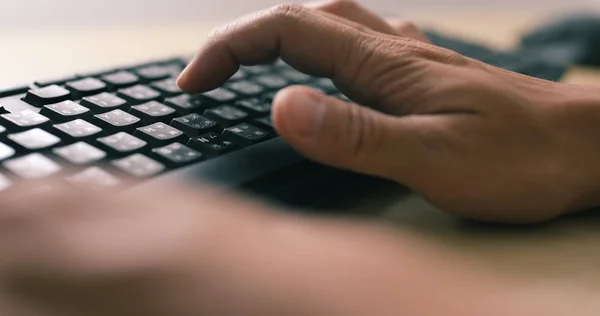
x: 286, y: 11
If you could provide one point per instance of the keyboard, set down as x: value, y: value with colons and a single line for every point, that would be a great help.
x: 100, y: 127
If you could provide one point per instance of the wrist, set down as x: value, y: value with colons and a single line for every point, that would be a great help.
x: 574, y: 117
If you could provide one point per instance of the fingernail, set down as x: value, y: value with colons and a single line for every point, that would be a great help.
x: 305, y: 114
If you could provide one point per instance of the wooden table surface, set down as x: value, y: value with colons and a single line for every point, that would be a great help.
x: 562, y: 253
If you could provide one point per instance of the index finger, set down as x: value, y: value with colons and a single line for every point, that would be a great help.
x: 305, y: 39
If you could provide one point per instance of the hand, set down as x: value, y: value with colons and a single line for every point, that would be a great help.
x: 186, y: 251
x: 473, y: 139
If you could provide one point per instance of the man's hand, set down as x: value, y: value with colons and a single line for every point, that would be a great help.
x: 184, y: 250
x: 473, y: 139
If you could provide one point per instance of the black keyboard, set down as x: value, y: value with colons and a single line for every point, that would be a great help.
x: 133, y: 122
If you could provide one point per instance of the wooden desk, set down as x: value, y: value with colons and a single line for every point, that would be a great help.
x: 563, y: 253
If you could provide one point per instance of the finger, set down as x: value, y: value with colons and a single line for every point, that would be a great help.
x: 305, y: 39
x: 347, y: 135
x: 353, y: 11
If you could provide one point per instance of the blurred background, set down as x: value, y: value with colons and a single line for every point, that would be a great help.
x: 34, y: 14
x: 41, y: 38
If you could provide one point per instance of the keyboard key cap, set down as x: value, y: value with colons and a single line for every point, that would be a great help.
x: 116, y: 121
x: 153, y: 73
x: 226, y: 115
x: 160, y: 134
x: 325, y: 84
x: 167, y: 87
x: 79, y: 153
x: 152, y: 112
x: 185, y: 104
x: 245, y: 135
x: 195, y: 125
x: 139, y: 166
x: 85, y: 87
x: 269, y: 97
x: 272, y: 81
x: 257, y: 70
x: 32, y: 166
x: 218, y: 96
x: 239, y: 75
x: 295, y: 76
x: 122, y: 144
x: 54, y: 81
x: 103, y: 102
x: 120, y: 79
x: 95, y: 177
x: 10, y: 90
x: 176, y: 155
x: 47, y: 95
x: 78, y: 130
x: 245, y: 88
x: 255, y: 106
x: 65, y: 111
x: 24, y: 120
x: 34, y: 139
x: 212, y: 145
x: 6, y: 151
x: 139, y: 94
x: 266, y: 123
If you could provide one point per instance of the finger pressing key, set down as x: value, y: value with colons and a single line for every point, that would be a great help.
x: 304, y: 38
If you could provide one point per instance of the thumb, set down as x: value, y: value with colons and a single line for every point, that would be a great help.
x: 345, y: 135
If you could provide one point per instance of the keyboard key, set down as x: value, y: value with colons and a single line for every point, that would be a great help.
x: 212, y: 145
x: 65, y: 111
x: 79, y: 153
x: 257, y: 70
x: 139, y: 166
x: 245, y: 135
x: 116, y: 121
x: 176, y: 155
x: 32, y: 166
x: 47, y: 95
x: 78, y: 130
x: 272, y: 81
x: 269, y: 97
x: 239, y: 75
x: 103, y: 102
x: 34, y: 139
x: 139, y: 94
x: 54, y: 81
x: 245, y: 88
x: 6, y: 151
x: 160, y: 134
x: 94, y: 177
x: 194, y: 124
x: 122, y: 144
x: 3, y: 131
x: 153, y: 73
x: 10, y: 90
x: 266, y: 123
x: 152, y: 112
x: 324, y: 84
x: 24, y: 120
x: 295, y: 76
x: 218, y: 96
x: 226, y: 115
x: 167, y: 87
x: 85, y: 87
x: 255, y: 106
x: 120, y: 79
x: 185, y: 104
